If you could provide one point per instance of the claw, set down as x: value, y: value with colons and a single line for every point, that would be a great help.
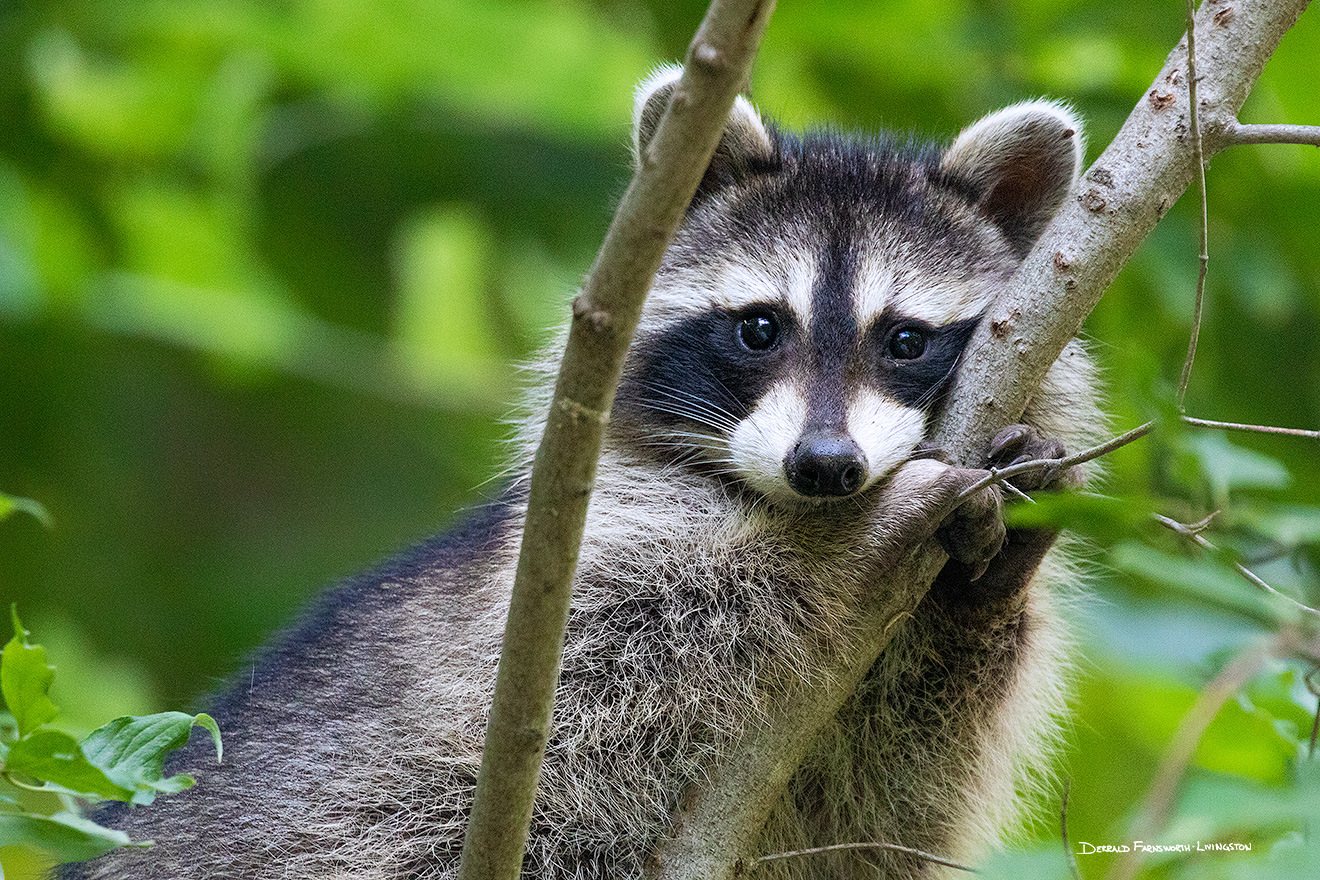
x: 1009, y: 442
x: 977, y: 569
x: 1017, y: 444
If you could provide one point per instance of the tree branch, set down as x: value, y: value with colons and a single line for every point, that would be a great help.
x: 924, y: 856
x: 1120, y: 199
x: 1259, y: 429
x: 605, y: 314
x: 999, y: 475
x: 1073, y: 871
x: 1236, y: 134
x: 1193, y: 531
x: 1122, y: 196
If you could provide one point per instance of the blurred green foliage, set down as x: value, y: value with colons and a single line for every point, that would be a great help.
x: 265, y: 266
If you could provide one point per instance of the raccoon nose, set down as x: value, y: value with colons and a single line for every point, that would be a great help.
x: 825, y: 463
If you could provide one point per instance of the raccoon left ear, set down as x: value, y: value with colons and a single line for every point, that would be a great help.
x: 1022, y: 160
x: 745, y: 137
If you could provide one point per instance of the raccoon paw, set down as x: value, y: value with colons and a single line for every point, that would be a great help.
x: 974, y: 534
x: 1021, y: 443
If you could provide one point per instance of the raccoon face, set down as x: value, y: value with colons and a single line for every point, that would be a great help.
x: 813, y: 308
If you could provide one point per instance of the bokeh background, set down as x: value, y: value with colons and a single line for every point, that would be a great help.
x: 267, y: 268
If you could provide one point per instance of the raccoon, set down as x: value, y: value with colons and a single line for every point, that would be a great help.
x: 764, y: 462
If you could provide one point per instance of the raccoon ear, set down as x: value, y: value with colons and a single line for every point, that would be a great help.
x: 745, y: 137
x: 1022, y: 161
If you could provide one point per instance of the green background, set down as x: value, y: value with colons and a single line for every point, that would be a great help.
x: 267, y: 268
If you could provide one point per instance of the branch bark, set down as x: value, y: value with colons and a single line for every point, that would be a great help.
x: 605, y: 315
x: 1120, y: 199
x: 1239, y: 134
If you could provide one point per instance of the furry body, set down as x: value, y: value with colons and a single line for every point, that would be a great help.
x: 711, y: 582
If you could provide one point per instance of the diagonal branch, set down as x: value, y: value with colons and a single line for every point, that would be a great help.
x: 605, y: 314
x: 1192, y: 533
x: 816, y: 850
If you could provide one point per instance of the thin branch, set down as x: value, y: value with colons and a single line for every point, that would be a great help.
x: 894, y: 847
x: 605, y: 314
x: 1193, y: 533
x: 1259, y: 429
x: 1000, y: 475
x: 1017, y: 493
x: 1199, y: 152
x: 1073, y: 870
x: 1314, y: 688
x: 1158, y: 803
x: 1236, y: 134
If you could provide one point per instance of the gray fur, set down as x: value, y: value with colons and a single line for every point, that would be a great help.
x: 352, y: 747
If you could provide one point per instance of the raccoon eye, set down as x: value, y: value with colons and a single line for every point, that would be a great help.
x: 758, y: 332
x: 907, y: 344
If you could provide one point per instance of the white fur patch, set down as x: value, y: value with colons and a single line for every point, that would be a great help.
x: 910, y: 292
x: 886, y: 431
x: 736, y: 284
x: 762, y: 440
x: 664, y: 75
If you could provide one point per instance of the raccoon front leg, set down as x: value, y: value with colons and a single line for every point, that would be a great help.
x: 959, y: 707
x: 990, y: 566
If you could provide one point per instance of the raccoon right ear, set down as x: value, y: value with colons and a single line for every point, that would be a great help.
x: 745, y: 137
x: 1021, y: 161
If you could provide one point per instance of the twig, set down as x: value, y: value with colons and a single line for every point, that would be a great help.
x: 999, y: 475
x: 1236, y: 134
x: 1018, y: 493
x: 1158, y: 802
x: 1063, y: 831
x: 1314, y: 688
x: 894, y: 847
x: 1260, y: 429
x: 605, y: 314
x: 1199, y: 152
x: 1193, y: 533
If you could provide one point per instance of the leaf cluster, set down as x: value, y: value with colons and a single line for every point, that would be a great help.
x: 123, y: 760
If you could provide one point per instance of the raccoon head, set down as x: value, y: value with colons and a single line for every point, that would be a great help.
x: 813, y: 307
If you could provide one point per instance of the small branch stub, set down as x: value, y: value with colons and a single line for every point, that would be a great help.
x: 1237, y: 134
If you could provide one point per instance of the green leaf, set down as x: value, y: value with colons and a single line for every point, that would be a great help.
x: 1204, y: 581
x: 1228, y: 466
x: 11, y: 504
x: 25, y: 679
x: 132, y: 750
x: 55, y: 757
x: 1097, y: 516
x: 68, y: 837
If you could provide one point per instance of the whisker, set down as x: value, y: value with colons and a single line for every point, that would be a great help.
x: 689, y: 415
x: 685, y: 397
